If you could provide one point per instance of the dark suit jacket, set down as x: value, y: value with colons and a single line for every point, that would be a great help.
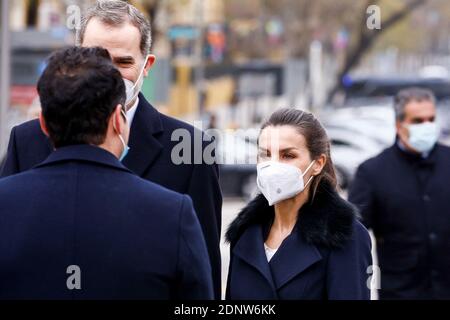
x: 326, y: 256
x: 405, y: 200
x: 150, y: 158
x: 131, y: 239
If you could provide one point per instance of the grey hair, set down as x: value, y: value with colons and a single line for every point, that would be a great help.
x: 115, y: 13
x: 408, y: 95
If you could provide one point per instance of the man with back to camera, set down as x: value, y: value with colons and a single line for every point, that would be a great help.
x: 403, y: 195
x: 82, y: 226
x: 125, y: 32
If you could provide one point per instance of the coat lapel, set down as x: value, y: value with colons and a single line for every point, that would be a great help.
x: 250, y: 248
x: 143, y: 142
x: 292, y: 258
x: 324, y: 222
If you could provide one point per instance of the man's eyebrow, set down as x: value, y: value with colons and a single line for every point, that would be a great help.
x: 124, y: 59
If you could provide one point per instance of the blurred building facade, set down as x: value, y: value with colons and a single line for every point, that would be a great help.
x: 188, y: 36
x: 212, y: 51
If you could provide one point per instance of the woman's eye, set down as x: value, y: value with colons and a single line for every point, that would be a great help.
x: 289, y: 156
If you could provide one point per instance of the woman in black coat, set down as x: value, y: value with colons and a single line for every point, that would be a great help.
x: 298, y: 239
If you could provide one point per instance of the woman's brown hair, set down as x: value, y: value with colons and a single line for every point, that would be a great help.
x: 316, y: 138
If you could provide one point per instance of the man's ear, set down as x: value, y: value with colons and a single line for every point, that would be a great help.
x: 151, y: 59
x: 401, y: 130
x: 43, y: 124
x: 117, y: 119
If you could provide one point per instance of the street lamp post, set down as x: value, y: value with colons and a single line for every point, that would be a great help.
x: 5, y: 73
x: 199, y: 65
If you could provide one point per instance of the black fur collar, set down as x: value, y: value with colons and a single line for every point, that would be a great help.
x: 327, y: 221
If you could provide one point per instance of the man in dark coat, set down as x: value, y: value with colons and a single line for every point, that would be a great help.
x: 121, y: 29
x: 82, y: 226
x: 403, y: 195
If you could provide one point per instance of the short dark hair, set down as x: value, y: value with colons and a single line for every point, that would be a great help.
x: 79, y: 91
x: 408, y: 95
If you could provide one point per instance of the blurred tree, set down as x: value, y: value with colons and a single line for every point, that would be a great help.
x: 303, y: 21
x: 428, y: 27
x: 327, y: 21
x: 321, y: 20
x: 365, y: 38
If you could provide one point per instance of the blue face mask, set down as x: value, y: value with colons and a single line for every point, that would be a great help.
x: 126, y: 148
x: 423, y: 136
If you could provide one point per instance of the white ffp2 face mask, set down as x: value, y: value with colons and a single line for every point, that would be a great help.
x: 279, y: 181
x: 133, y: 89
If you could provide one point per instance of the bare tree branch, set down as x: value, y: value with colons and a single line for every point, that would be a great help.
x: 367, y: 39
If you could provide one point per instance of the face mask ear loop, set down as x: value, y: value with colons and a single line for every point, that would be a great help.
x: 123, y: 142
x: 120, y: 136
x: 309, y: 167
x: 406, y: 126
x: 141, y: 73
x: 137, y: 81
x: 309, y: 180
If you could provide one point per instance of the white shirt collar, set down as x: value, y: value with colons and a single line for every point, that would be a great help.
x: 270, y: 252
x: 132, y: 111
